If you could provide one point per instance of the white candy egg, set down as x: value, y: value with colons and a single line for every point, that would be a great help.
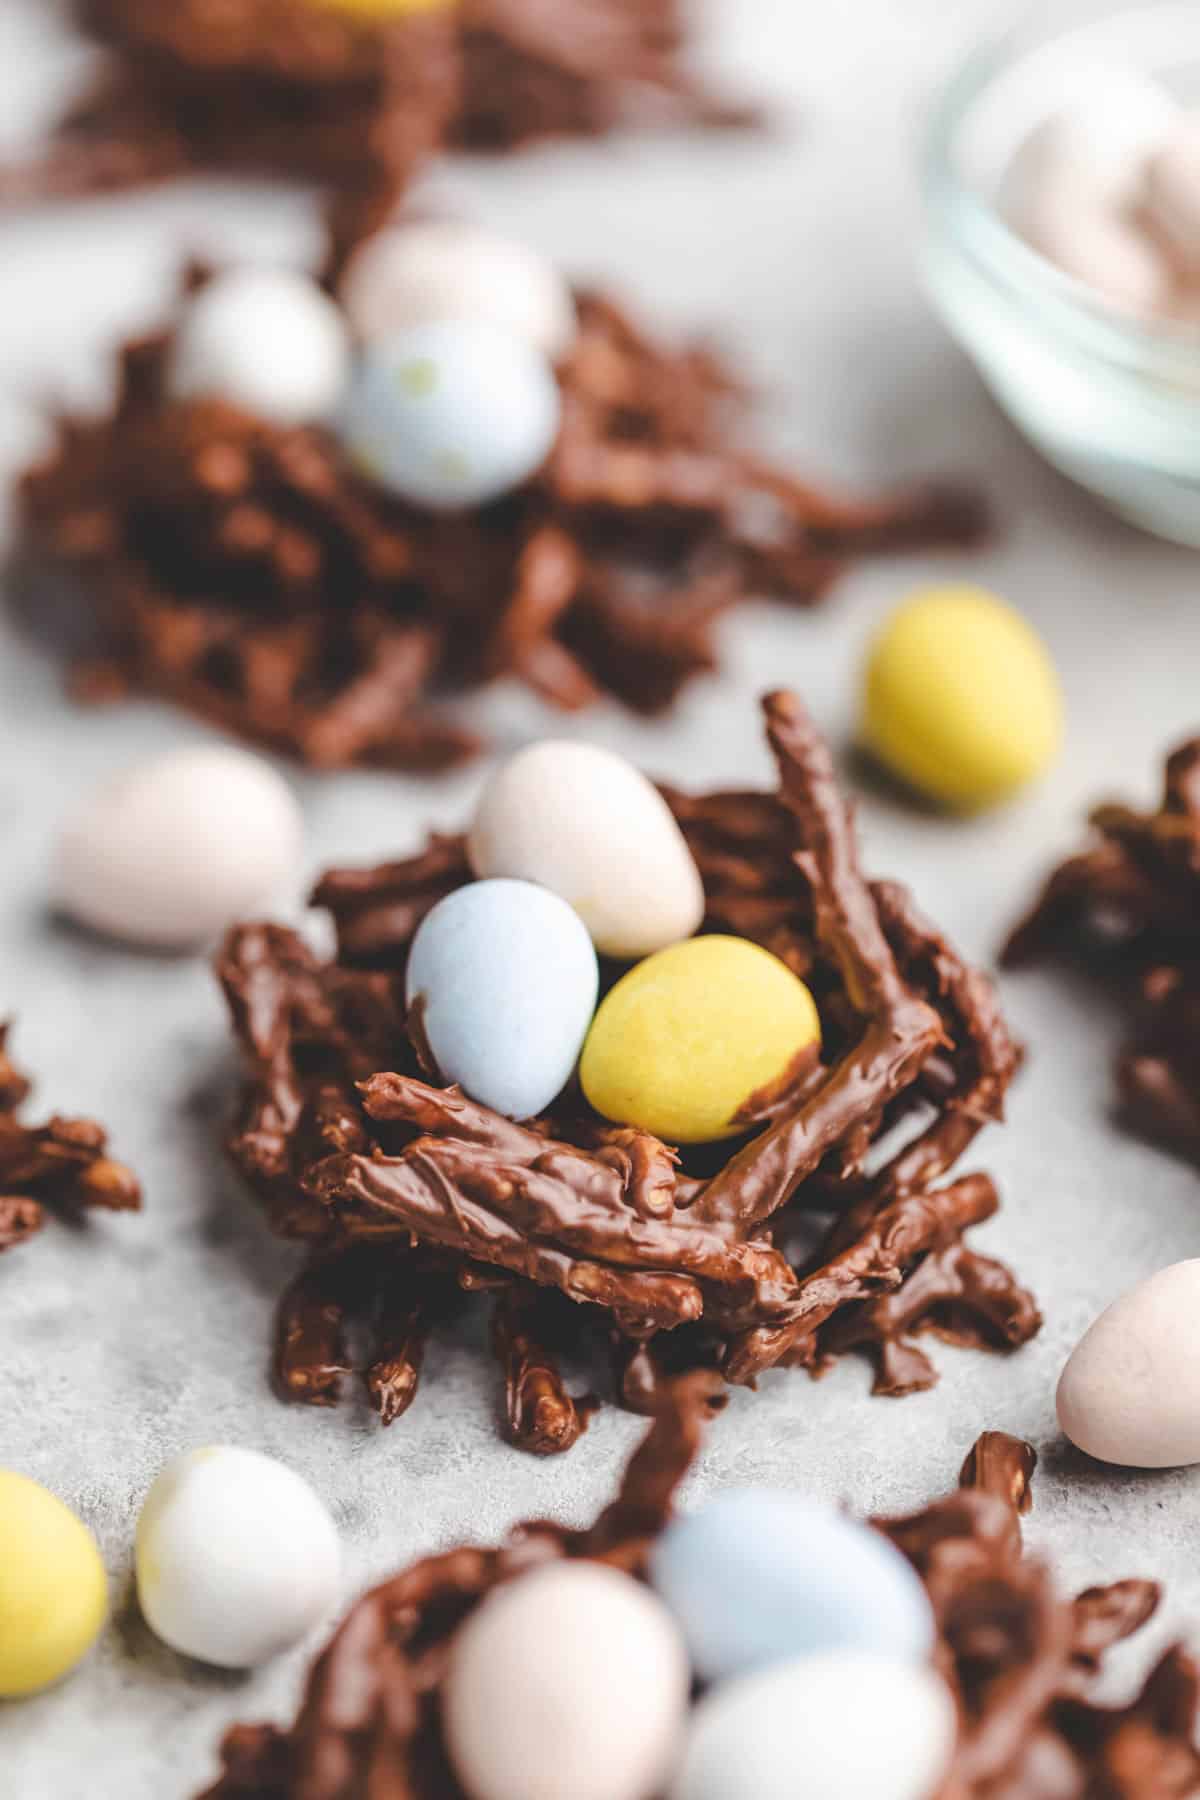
x: 266, y: 340
x: 504, y: 979
x: 237, y: 1558
x: 585, y: 823
x: 1130, y: 1392
x: 569, y: 1681
x: 1097, y: 142
x: 176, y: 848
x: 848, y: 1726
x: 451, y: 414
x: 444, y: 269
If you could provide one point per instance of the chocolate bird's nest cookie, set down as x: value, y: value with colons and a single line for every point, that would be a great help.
x: 1128, y: 909
x: 63, y: 1165
x: 1020, y: 1659
x: 249, y: 573
x: 830, y: 1228
x: 312, y: 89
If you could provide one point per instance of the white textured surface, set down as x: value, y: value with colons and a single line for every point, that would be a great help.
x: 141, y: 1338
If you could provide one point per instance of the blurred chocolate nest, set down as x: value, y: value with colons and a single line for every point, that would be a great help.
x: 248, y: 572
x: 355, y: 97
x: 829, y: 1228
x: 1020, y: 1659
x: 63, y: 1165
x: 1127, y: 909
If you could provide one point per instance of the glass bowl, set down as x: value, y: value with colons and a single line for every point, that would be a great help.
x: 1112, y: 401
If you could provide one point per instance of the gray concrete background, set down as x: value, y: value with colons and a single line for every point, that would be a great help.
x: 124, y: 1344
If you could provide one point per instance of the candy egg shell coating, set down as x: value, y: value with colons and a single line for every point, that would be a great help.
x: 505, y: 979
x: 1130, y: 1391
x: 688, y: 1037
x: 178, y: 847
x: 848, y: 1726
x: 1095, y: 145
x: 237, y: 1558
x: 266, y: 340
x: 585, y: 823
x: 53, y: 1588
x: 758, y: 1577
x: 444, y: 269
x: 960, y: 698
x: 451, y: 414
x: 569, y: 1681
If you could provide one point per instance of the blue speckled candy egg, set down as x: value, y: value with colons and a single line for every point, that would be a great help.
x: 505, y: 977
x: 451, y: 414
x: 756, y: 1578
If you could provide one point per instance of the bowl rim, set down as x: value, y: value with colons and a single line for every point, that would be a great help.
x: 1067, y: 307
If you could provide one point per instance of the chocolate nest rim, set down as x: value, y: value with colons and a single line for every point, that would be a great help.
x: 63, y: 1165
x: 251, y: 575
x: 1126, y: 909
x: 409, y: 1194
x: 310, y: 91
x: 1020, y: 1660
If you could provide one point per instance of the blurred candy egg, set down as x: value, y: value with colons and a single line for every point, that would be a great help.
x: 687, y: 1038
x: 236, y: 1557
x: 175, y: 849
x: 504, y: 979
x: 849, y: 1726
x: 569, y: 1681
x: 588, y: 825
x: 757, y: 1577
x: 53, y: 1589
x: 266, y: 340
x: 1173, y: 193
x: 451, y: 414
x: 1130, y: 1392
x: 960, y: 698
x: 443, y: 269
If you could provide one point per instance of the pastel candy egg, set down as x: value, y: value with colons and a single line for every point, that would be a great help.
x: 451, y: 414
x: 848, y: 1726
x: 178, y: 847
x: 266, y: 340
x: 1096, y: 143
x: 1173, y: 193
x: 504, y: 979
x: 588, y: 825
x: 758, y: 1577
x: 53, y: 1589
x: 443, y: 269
x: 686, y: 1039
x: 570, y: 1681
x: 1130, y: 1391
x: 961, y: 699
x: 236, y: 1557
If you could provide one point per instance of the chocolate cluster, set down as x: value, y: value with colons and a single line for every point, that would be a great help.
x: 1020, y: 1659
x: 251, y: 573
x: 63, y: 1165
x: 829, y: 1226
x: 357, y: 98
x: 1128, y: 909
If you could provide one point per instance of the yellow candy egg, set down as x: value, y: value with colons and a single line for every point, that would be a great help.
x: 383, y: 10
x: 961, y: 699
x: 53, y: 1589
x: 687, y: 1037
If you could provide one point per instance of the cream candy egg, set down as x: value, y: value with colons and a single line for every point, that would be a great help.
x: 569, y: 1681
x: 236, y: 1557
x: 1173, y: 193
x: 586, y: 824
x: 503, y: 980
x: 1130, y: 1391
x: 266, y: 340
x: 451, y: 414
x: 848, y: 1726
x: 53, y: 1588
x: 444, y: 269
x: 178, y: 847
